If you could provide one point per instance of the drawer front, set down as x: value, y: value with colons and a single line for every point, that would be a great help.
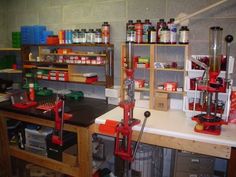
x: 188, y: 174
x: 187, y: 162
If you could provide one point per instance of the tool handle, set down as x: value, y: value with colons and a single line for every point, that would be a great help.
x: 146, y: 115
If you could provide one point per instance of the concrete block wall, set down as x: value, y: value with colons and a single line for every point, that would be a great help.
x: 71, y: 14
x: 3, y: 24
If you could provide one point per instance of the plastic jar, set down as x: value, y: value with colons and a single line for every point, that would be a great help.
x: 184, y: 35
x: 106, y: 33
x: 75, y: 36
x: 130, y: 31
x: 152, y: 35
x: 138, y: 32
x: 173, y: 31
x: 160, y: 25
x: 147, y: 24
x: 90, y: 37
x: 165, y: 35
x: 83, y: 36
x: 98, y: 36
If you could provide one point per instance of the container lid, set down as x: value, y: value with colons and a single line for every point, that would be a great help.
x: 216, y: 28
x: 31, y: 85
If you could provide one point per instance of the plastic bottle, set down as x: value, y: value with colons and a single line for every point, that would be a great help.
x: 160, y: 25
x: 98, y: 36
x: 75, y: 36
x: 83, y: 36
x: 31, y: 92
x: 152, y: 35
x: 138, y: 32
x: 106, y: 33
x: 173, y: 31
x: 130, y: 31
x: 147, y: 24
x: 184, y: 35
x: 165, y: 35
x: 90, y: 37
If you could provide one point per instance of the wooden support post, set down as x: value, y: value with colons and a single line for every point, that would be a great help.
x: 84, y: 139
x: 232, y: 164
x: 4, y: 153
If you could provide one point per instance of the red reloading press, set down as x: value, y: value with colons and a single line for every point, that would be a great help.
x: 210, y: 85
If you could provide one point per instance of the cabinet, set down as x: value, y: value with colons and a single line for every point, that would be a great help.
x: 166, y: 65
x: 75, y: 63
x: 193, y: 165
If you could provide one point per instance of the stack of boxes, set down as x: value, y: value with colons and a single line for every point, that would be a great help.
x: 16, y: 39
x: 34, y: 34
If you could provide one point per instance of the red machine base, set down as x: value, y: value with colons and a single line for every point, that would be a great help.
x: 208, y: 125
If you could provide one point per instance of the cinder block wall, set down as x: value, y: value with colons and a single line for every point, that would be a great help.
x: 3, y: 25
x: 71, y: 14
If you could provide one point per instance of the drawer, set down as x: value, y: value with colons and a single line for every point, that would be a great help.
x: 194, y: 164
x: 187, y: 162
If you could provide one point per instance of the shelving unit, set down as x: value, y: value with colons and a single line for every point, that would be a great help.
x: 75, y: 60
x: 164, y: 53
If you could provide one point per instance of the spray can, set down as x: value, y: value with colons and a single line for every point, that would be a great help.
x: 147, y: 24
x: 173, y: 31
x: 184, y: 35
x: 31, y: 92
x: 160, y: 25
x: 106, y: 33
x: 138, y: 32
x: 130, y: 31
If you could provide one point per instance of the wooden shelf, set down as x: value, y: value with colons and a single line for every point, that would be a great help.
x: 52, y: 68
x: 70, y: 45
x: 169, y: 69
x: 171, y: 92
x: 64, y: 64
x: 75, y: 54
x: 43, y: 161
x: 142, y: 89
x: 10, y: 49
x: 160, y: 45
x: 10, y: 71
x: 98, y: 83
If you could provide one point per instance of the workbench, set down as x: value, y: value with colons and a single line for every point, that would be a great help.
x: 83, y: 114
x: 172, y: 129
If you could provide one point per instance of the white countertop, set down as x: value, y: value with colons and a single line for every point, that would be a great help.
x: 174, y: 124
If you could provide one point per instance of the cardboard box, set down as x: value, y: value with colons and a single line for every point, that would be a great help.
x: 69, y: 156
x: 162, y: 102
